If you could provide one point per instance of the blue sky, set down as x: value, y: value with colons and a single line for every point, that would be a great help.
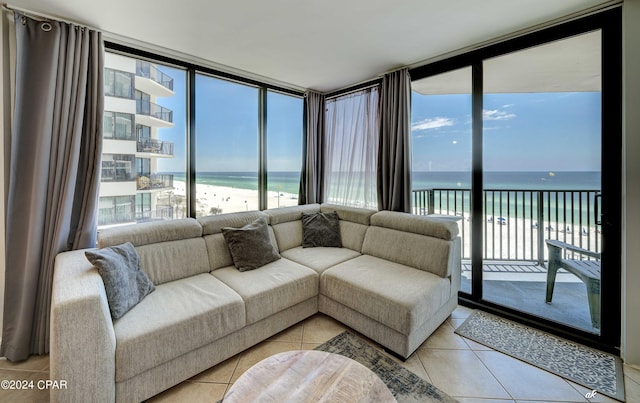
x: 522, y: 132
x: 227, y: 127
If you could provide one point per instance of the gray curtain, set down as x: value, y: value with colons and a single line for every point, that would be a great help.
x: 394, y: 149
x: 311, y: 178
x: 54, y: 173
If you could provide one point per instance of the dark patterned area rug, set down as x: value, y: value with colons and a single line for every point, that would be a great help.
x: 586, y: 366
x: 404, y: 385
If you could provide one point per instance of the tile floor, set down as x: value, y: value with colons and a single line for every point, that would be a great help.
x: 464, y: 369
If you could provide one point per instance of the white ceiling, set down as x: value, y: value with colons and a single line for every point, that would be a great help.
x: 323, y: 45
x: 568, y: 65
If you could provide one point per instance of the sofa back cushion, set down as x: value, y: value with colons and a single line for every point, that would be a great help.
x: 427, y: 244
x: 169, y: 250
x: 353, y: 224
x: 287, y: 224
x: 351, y: 214
x: 217, y: 248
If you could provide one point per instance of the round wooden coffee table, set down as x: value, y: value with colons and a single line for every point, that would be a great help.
x: 308, y: 376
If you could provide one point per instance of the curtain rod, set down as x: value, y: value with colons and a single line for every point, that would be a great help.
x: 42, y: 16
x: 352, y: 90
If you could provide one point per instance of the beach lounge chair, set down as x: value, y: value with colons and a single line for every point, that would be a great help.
x: 587, y: 270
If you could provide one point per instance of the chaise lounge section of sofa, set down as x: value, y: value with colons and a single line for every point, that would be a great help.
x: 395, y: 279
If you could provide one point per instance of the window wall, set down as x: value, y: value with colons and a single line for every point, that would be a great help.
x: 118, y: 83
x: 117, y: 125
x: 227, y: 146
x: 284, y: 149
x: 230, y: 130
x: 199, y: 141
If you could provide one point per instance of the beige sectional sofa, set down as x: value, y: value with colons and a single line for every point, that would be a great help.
x: 395, y: 280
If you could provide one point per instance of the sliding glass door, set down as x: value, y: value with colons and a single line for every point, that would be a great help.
x: 441, y: 152
x: 522, y: 141
x: 542, y: 172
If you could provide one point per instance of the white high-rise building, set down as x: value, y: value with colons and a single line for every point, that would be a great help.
x: 131, y: 189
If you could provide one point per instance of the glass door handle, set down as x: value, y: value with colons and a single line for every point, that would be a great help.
x: 596, y: 212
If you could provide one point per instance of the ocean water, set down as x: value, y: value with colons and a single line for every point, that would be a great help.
x: 289, y: 182
x: 535, y: 180
x: 285, y: 181
x: 454, y: 197
x: 567, y: 197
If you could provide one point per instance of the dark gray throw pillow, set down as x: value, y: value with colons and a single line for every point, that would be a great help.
x: 321, y: 229
x: 250, y: 246
x: 124, y: 281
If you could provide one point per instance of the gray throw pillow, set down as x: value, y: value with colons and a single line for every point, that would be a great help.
x: 124, y: 281
x: 321, y: 229
x: 250, y: 246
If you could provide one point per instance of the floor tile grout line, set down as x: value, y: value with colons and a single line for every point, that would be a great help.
x: 494, y: 375
x: 424, y: 367
x: 584, y: 400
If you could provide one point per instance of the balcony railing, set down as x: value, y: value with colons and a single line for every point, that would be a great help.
x: 162, y: 213
x: 516, y: 223
x: 148, y: 70
x: 148, y: 108
x: 155, y: 146
x: 154, y: 181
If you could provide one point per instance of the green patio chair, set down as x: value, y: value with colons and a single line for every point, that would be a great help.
x: 587, y: 270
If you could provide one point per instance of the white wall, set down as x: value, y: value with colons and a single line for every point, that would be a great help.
x: 631, y: 192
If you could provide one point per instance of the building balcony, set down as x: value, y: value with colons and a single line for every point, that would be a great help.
x: 516, y: 223
x: 161, y: 213
x: 152, y: 81
x: 153, y: 115
x: 155, y: 147
x: 515, y: 227
x: 148, y: 181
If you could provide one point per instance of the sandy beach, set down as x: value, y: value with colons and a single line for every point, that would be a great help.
x: 220, y: 199
x: 515, y: 238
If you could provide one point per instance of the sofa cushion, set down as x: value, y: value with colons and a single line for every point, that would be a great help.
x: 271, y: 288
x: 250, y: 246
x: 125, y: 283
x: 288, y: 234
x: 351, y: 214
x: 321, y: 229
x: 424, y: 225
x: 217, y: 248
x: 178, y: 317
x: 173, y: 260
x: 352, y: 234
x: 422, y: 252
x: 320, y: 258
x: 287, y: 214
x: 150, y: 232
x: 213, y: 224
x: 393, y: 294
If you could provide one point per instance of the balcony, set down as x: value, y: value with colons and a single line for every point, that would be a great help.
x: 155, y: 146
x: 152, y: 81
x: 515, y: 225
x: 153, y: 115
x: 154, y: 182
x: 161, y: 213
x: 517, y: 222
